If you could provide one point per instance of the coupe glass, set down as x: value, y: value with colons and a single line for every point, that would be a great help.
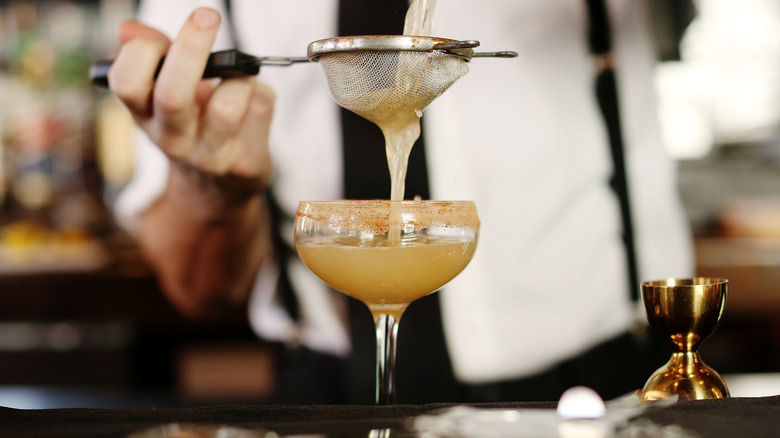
x: 386, y: 254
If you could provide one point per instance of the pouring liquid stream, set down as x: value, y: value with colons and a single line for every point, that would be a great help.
x: 400, y: 124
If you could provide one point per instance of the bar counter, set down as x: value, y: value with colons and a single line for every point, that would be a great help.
x: 748, y: 417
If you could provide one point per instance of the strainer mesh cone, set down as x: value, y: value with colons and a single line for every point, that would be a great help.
x: 376, y: 84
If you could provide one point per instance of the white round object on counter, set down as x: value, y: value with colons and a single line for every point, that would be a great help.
x: 581, y: 402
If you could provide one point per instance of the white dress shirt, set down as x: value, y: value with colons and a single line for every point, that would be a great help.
x: 521, y: 137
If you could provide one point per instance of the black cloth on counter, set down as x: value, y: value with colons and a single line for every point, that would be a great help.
x: 731, y: 417
x: 749, y: 417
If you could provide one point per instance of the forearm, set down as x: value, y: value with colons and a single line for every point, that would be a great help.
x: 205, y: 242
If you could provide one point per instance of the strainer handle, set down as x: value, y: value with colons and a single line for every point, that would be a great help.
x: 223, y: 64
x: 501, y: 54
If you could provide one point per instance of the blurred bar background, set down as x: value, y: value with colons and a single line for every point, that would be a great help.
x: 83, y: 323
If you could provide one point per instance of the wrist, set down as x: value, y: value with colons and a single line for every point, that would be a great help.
x: 210, y: 196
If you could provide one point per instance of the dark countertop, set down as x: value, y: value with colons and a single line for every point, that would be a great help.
x: 751, y: 417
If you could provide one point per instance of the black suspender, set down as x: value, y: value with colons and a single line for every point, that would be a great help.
x: 600, y: 42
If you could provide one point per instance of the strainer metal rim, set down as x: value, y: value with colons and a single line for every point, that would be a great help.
x: 384, y: 43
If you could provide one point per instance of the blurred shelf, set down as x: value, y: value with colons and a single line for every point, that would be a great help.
x: 752, y: 266
x: 748, y: 339
x: 122, y: 288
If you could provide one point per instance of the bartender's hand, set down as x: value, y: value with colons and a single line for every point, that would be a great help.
x: 209, y: 232
x: 215, y: 134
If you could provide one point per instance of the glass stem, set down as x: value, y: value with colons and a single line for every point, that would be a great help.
x: 386, y: 336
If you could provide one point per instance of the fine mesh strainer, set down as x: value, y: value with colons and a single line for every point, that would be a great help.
x: 376, y: 75
x: 363, y: 72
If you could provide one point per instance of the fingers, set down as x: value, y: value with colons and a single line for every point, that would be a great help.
x: 234, y: 135
x: 225, y: 112
x: 131, y: 77
x: 177, y: 84
x: 256, y: 125
x: 235, y: 129
x: 254, y: 131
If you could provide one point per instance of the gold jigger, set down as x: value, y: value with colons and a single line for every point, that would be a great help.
x: 685, y: 311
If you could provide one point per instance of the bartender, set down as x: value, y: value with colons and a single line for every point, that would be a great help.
x: 545, y: 304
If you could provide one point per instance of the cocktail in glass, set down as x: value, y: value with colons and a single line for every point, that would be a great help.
x: 386, y: 254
